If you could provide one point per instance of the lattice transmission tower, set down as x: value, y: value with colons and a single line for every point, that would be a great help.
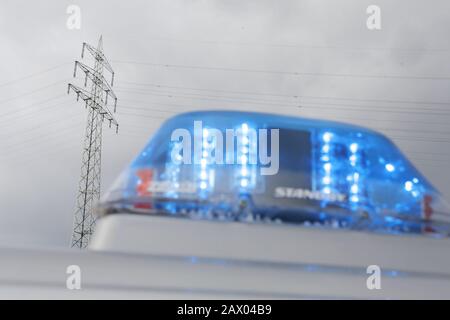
x: 96, y: 101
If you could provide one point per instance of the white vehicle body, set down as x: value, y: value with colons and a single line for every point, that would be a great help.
x: 142, y: 257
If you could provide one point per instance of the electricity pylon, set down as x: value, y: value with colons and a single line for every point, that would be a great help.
x: 96, y: 101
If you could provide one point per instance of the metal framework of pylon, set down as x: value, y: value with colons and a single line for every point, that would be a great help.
x: 96, y: 101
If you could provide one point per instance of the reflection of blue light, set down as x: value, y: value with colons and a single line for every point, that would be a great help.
x: 393, y: 273
x: 389, y: 167
x: 193, y: 259
x: 244, y: 183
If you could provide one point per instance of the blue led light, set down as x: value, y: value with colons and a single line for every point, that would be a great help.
x: 408, y: 186
x: 327, y: 137
x: 326, y: 180
x: 390, y: 167
x: 212, y: 163
x: 354, y: 147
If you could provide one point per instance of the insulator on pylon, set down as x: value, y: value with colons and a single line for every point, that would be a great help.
x: 75, y: 69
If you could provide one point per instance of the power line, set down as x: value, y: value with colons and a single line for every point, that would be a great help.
x: 302, y: 46
x: 31, y: 105
x: 146, y: 109
x: 38, y: 127
x: 368, y: 109
x: 340, y: 116
x: 301, y: 105
x: 141, y: 115
x: 55, y: 145
x: 269, y: 103
x: 412, y: 138
x: 32, y: 75
x: 12, y: 147
x: 429, y: 153
x: 29, y: 115
x: 32, y: 91
x: 291, y: 73
x: 295, y: 96
x: 299, y: 98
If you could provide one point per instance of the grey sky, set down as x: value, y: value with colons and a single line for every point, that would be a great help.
x: 41, y: 131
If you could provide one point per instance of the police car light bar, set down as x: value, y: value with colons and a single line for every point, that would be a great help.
x: 255, y: 167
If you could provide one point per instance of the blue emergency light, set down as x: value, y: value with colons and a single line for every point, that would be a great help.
x: 255, y: 167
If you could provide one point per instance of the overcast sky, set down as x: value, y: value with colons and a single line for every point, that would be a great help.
x: 41, y: 127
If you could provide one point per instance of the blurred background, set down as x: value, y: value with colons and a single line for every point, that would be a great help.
x: 302, y: 57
